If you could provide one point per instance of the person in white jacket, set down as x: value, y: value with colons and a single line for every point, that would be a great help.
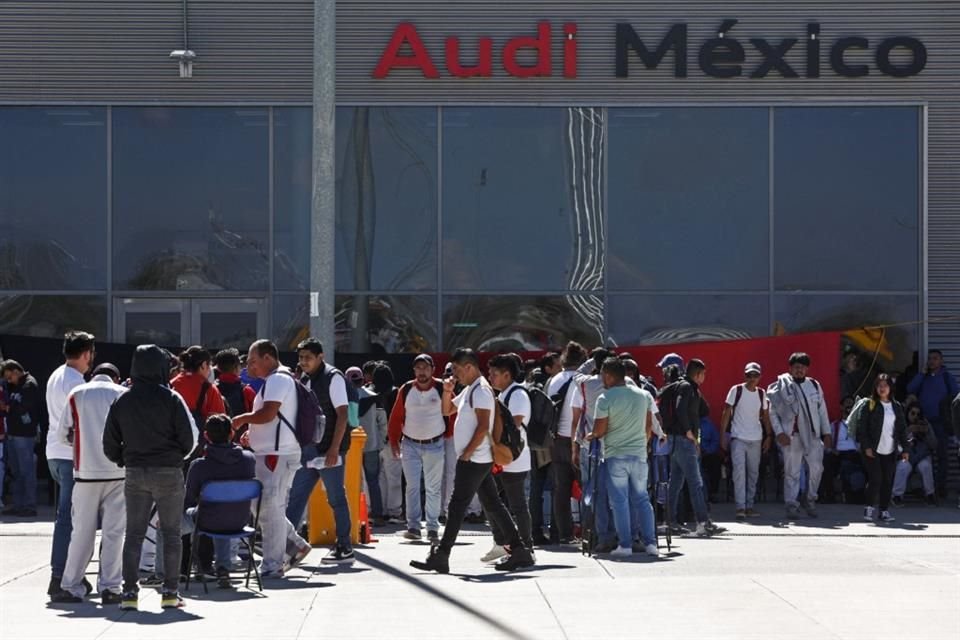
x: 98, y: 488
x: 798, y: 414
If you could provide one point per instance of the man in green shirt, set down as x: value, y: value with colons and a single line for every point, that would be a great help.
x: 624, y: 420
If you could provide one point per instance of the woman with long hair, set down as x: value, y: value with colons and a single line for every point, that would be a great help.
x: 882, y: 427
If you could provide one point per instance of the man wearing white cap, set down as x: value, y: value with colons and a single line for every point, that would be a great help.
x: 747, y: 415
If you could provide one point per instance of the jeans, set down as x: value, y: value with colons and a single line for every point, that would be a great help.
x: 391, y: 483
x: 143, y: 487
x: 745, y: 456
x: 221, y: 546
x: 337, y: 499
x: 539, y: 479
x: 685, y: 468
x: 513, y: 485
x: 475, y: 479
x: 627, y: 487
x: 793, y: 458
x: 62, y: 473
x: 880, y: 470
x: 93, y: 501
x: 428, y: 460
x: 602, y: 522
x: 23, y: 465
x: 563, y: 476
x: 905, y: 468
x: 371, y: 473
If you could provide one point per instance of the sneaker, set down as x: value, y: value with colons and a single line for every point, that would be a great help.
x: 752, y: 513
x: 339, y: 555
x: 702, y: 531
x: 793, y: 512
x: 652, y: 550
x: 171, y: 600
x: 679, y: 530
x: 897, y: 501
x: 621, y: 552
x: 443, y: 519
x: 810, y: 507
x: 65, y: 597
x: 296, y: 558
x: 223, y: 578
x: 129, y: 601
x: 496, y: 552
x: 436, y: 561
x: 87, y: 586
x: 868, y: 514
x: 272, y: 574
x: 395, y: 520
x: 519, y: 559
x: 714, y: 529
x: 110, y: 598
x: 741, y: 515
x: 54, y: 587
x: 152, y: 580
x: 412, y: 534
x: 433, y: 537
x: 207, y: 574
x: 540, y: 540
x: 886, y: 517
x: 604, y: 547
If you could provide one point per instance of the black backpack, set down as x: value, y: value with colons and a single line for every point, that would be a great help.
x: 668, y: 407
x: 558, y: 399
x: 510, y: 435
x: 232, y: 393
x: 543, y: 418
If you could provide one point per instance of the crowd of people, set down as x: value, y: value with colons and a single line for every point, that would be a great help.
x: 470, y: 445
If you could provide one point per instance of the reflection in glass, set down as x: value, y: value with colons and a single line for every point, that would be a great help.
x: 800, y: 313
x: 517, y: 323
x: 689, y: 199
x: 364, y: 323
x: 523, y: 205
x: 665, y: 319
x: 52, y: 316
x: 191, y: 198
x: 386, y: 198
x: 53, y: 198
x: 223, y: 329
x: 153, y: 327
x: 292, y: 195
x: 847, y: 198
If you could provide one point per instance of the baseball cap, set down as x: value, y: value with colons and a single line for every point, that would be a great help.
x: 423, y: 357
x: 752, y: 367
x: 669, y: 359
x: 354, y: 373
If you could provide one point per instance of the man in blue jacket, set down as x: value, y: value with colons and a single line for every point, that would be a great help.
x: 935, y: 387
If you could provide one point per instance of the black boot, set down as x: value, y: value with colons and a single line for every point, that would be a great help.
x: 519, y: 558
x: 438, y: 561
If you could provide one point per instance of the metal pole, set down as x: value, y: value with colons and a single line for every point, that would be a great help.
x: 323, y: 209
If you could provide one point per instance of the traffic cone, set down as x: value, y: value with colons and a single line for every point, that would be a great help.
x: 366, y: 528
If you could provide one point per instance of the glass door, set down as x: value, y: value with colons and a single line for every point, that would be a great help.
x: 162, y: 322
x: 214, y: 323
x: 219, y: 324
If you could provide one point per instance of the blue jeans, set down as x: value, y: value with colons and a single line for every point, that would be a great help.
x: 62, y: 473
x: 304, y: 480
x: 303, y: 483
x: 627, y: 487
x: 425, y: 460
x: 23, y: 465
x: 603, y: 523
x: 221, y: 546
x: 371, y: 471
x: 685, y: 467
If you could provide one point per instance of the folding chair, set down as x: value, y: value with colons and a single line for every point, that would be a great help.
x: 226, y: 492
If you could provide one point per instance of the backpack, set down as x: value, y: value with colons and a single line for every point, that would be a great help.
x: 859, y: 415
x: 309, y: 424
x: 558, y: 399
x: 736, y: 401
x: 543, y: 416
x: 197, y: 410
x: 232, y: 393
x: 508, y: 439
x: 667, y: 401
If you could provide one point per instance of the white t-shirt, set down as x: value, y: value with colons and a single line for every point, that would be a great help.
x: 519, y: 406
x: 338, y: 390
x: 573, y: 400
x: 278, y: 387
x: 746, y: 419
x: 886, y: 445
x: 59, y: 385
x: 466, y: 423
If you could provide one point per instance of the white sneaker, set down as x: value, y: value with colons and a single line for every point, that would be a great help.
x: 702, y: 531
x: 496, y: 552
x: 886, y: 517
x: 622, y: 552
x: 652, y: 550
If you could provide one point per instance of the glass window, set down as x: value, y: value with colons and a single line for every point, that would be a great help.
x: 522, y: 199
x: 386, y: 198
x: 364, y: 323
x: 52, y: 316
x: 292, y: 196
x: 847, y: 211
x: 53, y: 199
x: 799, y: 313
x: 191, y: 198
x: 664, y: 319
x: 521, y: 323
x: 688, y: 199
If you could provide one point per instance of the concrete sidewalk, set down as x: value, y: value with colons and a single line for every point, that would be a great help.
x: 834, y: 577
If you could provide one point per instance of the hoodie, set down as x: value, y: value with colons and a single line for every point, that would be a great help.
x: 26, y: 405
x: 150, y: 425
x: 81, y: 426
x: 220, y: 462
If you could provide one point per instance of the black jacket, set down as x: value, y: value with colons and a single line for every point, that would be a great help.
x: 26, y: 405
x: 220, y: 462
x: 689, y: 401
x: 149, y: 426
x: 320, y: 385
x: 868, y: 433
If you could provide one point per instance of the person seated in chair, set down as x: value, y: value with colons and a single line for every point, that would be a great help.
x: 222, y: 460
x: 922, y: 444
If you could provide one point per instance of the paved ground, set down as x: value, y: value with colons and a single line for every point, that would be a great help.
x: 829, y: 578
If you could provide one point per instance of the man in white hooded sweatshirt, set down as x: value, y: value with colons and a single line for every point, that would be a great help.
x: 98, y: 492
x: 798, y: 414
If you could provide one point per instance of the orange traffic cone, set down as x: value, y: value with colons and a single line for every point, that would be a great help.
x: 366, y: 529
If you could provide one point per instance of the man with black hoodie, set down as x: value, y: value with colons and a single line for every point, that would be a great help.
x: 150, y: 432
x: 23, y: 408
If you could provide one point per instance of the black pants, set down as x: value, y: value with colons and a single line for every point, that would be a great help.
x: 474, y: 479
x: 563, y: 476
x: 833, y: 464
x: 539, y: 476
x: 512, y: 485
x: 712, y: 474
x: 880, y: 470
